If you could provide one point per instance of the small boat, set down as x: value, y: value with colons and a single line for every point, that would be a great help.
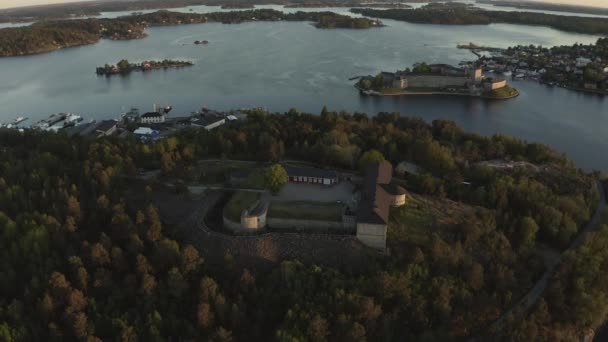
x: 19, y: 120
x: 520, y: 75
x: 507, y: 73
x: 72, y: 120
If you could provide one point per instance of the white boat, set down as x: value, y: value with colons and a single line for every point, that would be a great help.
x: 520, y: 75
x: 72, y: 120
x: 19, y: 120
x: 507, y: 73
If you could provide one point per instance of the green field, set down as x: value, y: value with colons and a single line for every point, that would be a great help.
x: 240, y: 201
x: 502, y: 93
x: 255, y: 179
x: 388, y: 91
x: 305, y: 210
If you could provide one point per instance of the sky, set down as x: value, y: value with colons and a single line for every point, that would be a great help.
x: 19, y: 3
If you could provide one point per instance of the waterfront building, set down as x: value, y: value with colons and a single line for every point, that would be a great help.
x: 153, y: 117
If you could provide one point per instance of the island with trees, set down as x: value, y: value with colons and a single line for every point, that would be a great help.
x: 124, y: 67
x: 99, y: 252
x: 546, y: 6
x: 52, y: 35
x: 460, y: 14
x: 437, y: 79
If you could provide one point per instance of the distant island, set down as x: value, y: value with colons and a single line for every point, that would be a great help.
x: 49, y: 36
x: 436, y: 79
x: 124, y: 67
x: 460, y: 14
x: 543, y: 6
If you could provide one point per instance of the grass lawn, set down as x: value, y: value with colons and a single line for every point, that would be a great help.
x: 255, y: 179
x: 390, y: 90
x: 306, y: 210
x: 502, y: 93
x: 240, y: 201
x: 421, y: 216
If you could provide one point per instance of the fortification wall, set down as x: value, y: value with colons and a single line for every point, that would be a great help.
x: 397, y: 200
x: 372, y: 235
x: 233, y: 226
x: 495, y: 85
x: 308, y: 225
x: 435, y: 81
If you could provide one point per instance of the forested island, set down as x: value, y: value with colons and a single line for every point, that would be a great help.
x: 91, y: 255
x: 95, y: 8
x: 543, y: 6
x: 48, y: 36
x: 467, y: 15
x: 124, y: 67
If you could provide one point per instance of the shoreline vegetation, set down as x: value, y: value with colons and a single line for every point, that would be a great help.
x: 124, y: 67
x: 49, y: 36
x: 459, y: 14
x: 96, y: 8
x: 498, y: 94
x: 535, y: 5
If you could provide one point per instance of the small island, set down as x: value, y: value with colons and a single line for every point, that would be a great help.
x: 125, y: 67
x: 436, y: 79
x: 465, y: 14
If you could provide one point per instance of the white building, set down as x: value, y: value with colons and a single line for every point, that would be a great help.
x: 153, y: 117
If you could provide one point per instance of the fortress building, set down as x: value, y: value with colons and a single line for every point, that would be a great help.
x: 378, y: 194
x: 435, y: 76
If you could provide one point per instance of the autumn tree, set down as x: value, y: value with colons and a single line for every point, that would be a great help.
x: 275, y: 178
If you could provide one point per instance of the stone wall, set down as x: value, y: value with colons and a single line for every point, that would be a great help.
x: 308, y: 225
x: 254, y: 221
x: 495, y: 85
x: 435, y: 81
x: 372, y: 235
x: 231, y: 225
x: 397, y: 200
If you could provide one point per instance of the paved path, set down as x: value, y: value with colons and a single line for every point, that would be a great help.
x: 518, y: 310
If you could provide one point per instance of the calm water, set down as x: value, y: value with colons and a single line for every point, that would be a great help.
x: 283, y: 65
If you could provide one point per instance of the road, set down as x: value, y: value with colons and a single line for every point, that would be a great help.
x: 519, y: 310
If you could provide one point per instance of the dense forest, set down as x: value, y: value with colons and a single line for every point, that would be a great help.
x: 576, y: 302
x: 80, y: 262
x: 465, y: 15
x: 48, y: 36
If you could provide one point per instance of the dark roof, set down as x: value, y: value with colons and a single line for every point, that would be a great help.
x: 106, y: 125
x: 79, y: 129
x: 310, y: 172
x: 393, y: 189
x: 375, y: 202
x: 207, y: 120
x: 260, y: 208
x: 152, y: 115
